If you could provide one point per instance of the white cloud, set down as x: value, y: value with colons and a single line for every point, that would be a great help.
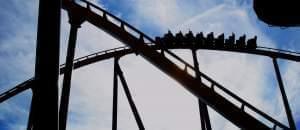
x: 163, y: 13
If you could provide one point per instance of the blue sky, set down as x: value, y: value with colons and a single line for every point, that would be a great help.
x: 252, y: 77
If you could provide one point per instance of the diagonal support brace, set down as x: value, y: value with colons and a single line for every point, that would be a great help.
x: 129, y: 98
x: 284, y: 97
x: 75, y: 20
x: 205, y: 121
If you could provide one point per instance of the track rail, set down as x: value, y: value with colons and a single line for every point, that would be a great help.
x: 121, y: 51
x: 16, y: 90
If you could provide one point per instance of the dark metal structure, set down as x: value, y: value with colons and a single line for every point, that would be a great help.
x: 44, y: 105
x: 284, y: 13
x: 45, y: 114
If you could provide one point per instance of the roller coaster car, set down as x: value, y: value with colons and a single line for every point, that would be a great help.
x: 210, y: 40
x: 189, y: 38
x: 251, y: 43
x: 229, y: 43
x: 168, y: 39
x: 241, y: 42
x: 159, y: 41
x: 199, y: 40
x: 220, y: 41
x: 179, y: 38
x: 284, y: 13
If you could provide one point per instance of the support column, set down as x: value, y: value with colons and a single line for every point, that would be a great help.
x: 284, y: 97
x: 44, y: 108
x: 32, y: 110
x: 130, y: 100
x: 115, y: 97
x: 204, y: 117
x: 75, y: 20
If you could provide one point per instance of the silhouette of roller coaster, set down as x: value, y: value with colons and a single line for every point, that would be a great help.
x: 45, y: 113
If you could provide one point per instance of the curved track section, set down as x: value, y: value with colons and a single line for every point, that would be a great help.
x: 16, y: 90
x: 121, y: 51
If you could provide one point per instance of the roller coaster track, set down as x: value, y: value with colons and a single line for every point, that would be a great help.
x: 143, y: 45
x: 121, y: 51
x: 16, y: 90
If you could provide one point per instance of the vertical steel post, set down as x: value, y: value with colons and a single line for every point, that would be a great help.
x: 32, y: 110
x: 115, y: 97
x: 44, y: 108
x: 204, y: 117
x: 284, y: 97
x: 130, y: 100
x: 75, y: 21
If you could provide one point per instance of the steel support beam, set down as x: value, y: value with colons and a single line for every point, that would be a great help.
x: 44, y: 111
x: 75, y: 20
x: 129, y: 98
x: 284, y: 97
x: 32, y: 113
x: 115, y: 97
x: 204, y: 117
